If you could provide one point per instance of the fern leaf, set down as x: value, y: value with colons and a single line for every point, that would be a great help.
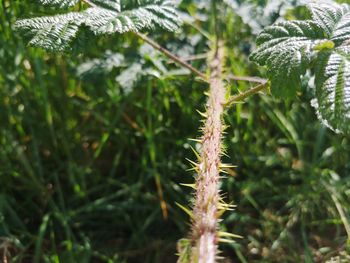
x: 104, y: 17
x: 53, y: 33
x: 59, y: 3
x: 321, y: 44
x: 102, y: 21
x: 109, y: 4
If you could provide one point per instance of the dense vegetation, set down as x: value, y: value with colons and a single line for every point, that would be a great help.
x: 94, y: 141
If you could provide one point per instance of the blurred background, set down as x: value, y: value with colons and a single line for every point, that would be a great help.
x: 93, y: 145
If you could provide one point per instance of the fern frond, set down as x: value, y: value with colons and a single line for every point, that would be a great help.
x: 59, y: 3
x: 109, y: 4
x: 53, y: 33
x: 104, y: 17
x: 103, y: 21
x: 289, y: 48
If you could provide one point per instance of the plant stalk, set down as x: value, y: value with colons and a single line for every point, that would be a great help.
x: 246, y: 94
x: 206, y: 211
x: 172, y: 56
x: 181, y: 61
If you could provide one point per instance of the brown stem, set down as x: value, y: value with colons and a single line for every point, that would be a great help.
x: 205, y: 211
x: 172, y: 56
x: 248, y: 78
x: 183, y: 62
x: 191, y: 58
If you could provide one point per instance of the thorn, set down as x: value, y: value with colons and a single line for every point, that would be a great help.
x: 223, y: 210
x: 192, y: 162
x: 193, y: 169
x: 224, y: 240
x: 223, y: 171
x: 204, y: 115
x: 228, y: 169
x: 227, y: 165
x: 224, y: 126
x: 185, y: 209
x: 195, y: 140
x: 221, y: 202
x: 227, y: 234
x: 196, y: 153
x: 193, y: 186
x: 227, y: 205
x: 225, y: 154
x: 236, y: 102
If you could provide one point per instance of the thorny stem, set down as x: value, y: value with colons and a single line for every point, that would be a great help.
x: 205, y: 211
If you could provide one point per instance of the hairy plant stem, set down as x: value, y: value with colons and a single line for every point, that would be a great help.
x: 205, y: 211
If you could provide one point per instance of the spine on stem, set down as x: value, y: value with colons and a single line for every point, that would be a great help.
x: 206, y: 210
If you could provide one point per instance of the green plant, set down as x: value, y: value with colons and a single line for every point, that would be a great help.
x: 288, y: 49
x: 101, y: 17
x: 321, y: 44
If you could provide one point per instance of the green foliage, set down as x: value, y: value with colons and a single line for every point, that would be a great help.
x: 59, y: 3
x: 102, y: 65
x: 286, y: 49
x: 333, y: 88
x: 258, y: 14
x: 87, y: 156
x: 289, y: 48
x: 102, y: 17
x: 184, y: 248
x: 129, y: 71
x: 52, y: 33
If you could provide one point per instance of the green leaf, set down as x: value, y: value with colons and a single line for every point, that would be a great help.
x: 290, y: 48
x: 59, y: 3
x: 145, y: 15
x: 109, y: 4
x: 53, y: 33
x: 332, y: 81
x: 334, y: 19
x: 325, y: 45
x: 184, y: 248
x: 286, y: 49
x: 103, y: 17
